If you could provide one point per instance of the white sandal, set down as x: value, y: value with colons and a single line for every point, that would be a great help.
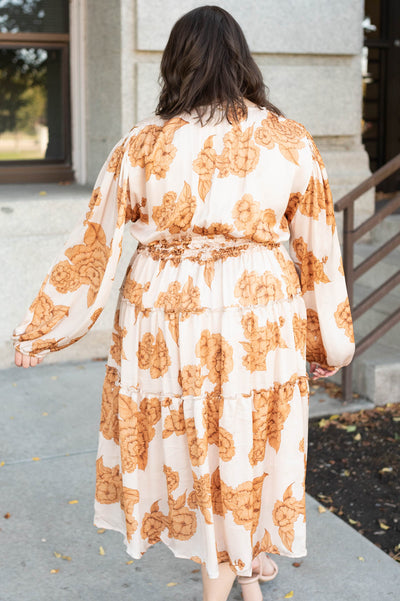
x: 258, y: 573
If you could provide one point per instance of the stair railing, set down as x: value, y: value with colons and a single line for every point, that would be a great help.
x: 350, y: 236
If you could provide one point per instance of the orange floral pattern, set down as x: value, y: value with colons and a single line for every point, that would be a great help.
x: 204, y: 166
x: 153, y: 354
x: 95, y: 201
x: 114, y: 164
x: 179, y: 304
x: 129, y: 498
x: 286, y: 133
x: 217, y: 355
x: 312, y: 269
x: 288, y: 274
x: 45, y: 315
x: 175, y: 213
x: 180, y: 521
x: 344, y: 320
x: 152, y: 147
x: 300, y: 333
x: 133, y: 291
x: 271, y: 409
x: 240, y: 154
x: 315, y: 347
x: 109, y: 405
x: 174, y: 423
x: 256, y: 224
x: 261, y: 341
x: 254, y: 289
x: 285, y: 514
x: 136, y: 430
x: 108, y: 483
x: 87, y: 264
x: 116, y: 349
x: 203, y: 424
x: 244, y: 501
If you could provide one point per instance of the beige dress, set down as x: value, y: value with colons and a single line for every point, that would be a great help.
x: 203, y: 433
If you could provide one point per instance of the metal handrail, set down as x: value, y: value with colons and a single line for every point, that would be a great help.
x: 350, y: 236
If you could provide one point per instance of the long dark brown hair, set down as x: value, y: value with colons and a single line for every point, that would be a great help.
x: 207, y: 64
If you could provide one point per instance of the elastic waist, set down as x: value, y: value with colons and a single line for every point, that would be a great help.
x: 201, y: 247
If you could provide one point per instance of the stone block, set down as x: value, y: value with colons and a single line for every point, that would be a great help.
x: 306, y: 27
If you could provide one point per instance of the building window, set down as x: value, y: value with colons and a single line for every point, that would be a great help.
x: 35, y: 129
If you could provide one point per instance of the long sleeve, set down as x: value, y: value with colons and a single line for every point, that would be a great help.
x: 315, y: 250
x: 78, y: 283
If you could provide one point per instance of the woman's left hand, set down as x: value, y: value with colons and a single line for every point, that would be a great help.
x: 316, y: 371
x: 26, y: 360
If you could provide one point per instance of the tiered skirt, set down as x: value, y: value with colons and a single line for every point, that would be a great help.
x: 203, y: 431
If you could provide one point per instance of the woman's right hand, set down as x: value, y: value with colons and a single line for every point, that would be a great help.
x: 26, y: 360
x: 316, y: 371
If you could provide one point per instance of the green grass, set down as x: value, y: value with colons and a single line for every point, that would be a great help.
x: 20, y: 156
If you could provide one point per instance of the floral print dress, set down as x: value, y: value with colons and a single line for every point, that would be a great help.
x: 204, y: 416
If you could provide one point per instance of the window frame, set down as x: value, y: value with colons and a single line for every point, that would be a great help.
x: 43, y: 170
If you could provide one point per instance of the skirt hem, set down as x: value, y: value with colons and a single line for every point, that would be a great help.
x: 101, y: 523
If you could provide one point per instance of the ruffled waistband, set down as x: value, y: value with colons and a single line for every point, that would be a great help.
x: 201, y: 247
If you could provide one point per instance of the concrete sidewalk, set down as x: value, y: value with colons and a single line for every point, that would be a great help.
x: 53, y: 412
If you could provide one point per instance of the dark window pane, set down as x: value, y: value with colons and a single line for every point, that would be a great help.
x: 32, y: 124
x: 50, y: 16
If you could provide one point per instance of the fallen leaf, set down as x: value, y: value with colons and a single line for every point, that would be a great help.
x: 396, y: 419
x: 383, y: 525
x: 53, y: 571
x: 73, y: 502
x: 54, y: 377
x: 57, y: 554
x: 334, y: 416
x: 172, y: 583
x: 325, y: 498
x: 101, y: 530
x: 386, y: 469
x: 360, y: 558
x: 42, y: 193
x: 129, y: 561
x: 2, y: 463
x: 195, y: 571
x: 101, y: 551
x: 288, y: 595
x: 35, y: 458
x: 357, y: 436
x: 321, y: 509
x: 45, y: 413
x: 67, y: 557
x: 7, y: 515
x: 351, y: 428
x: 352, y: 521
x: 323, y: 422
x: 346, y: 473
x: 296, y: 564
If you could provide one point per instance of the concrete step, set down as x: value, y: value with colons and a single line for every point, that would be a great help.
x: 386, y: 229
x: 377, y: 374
